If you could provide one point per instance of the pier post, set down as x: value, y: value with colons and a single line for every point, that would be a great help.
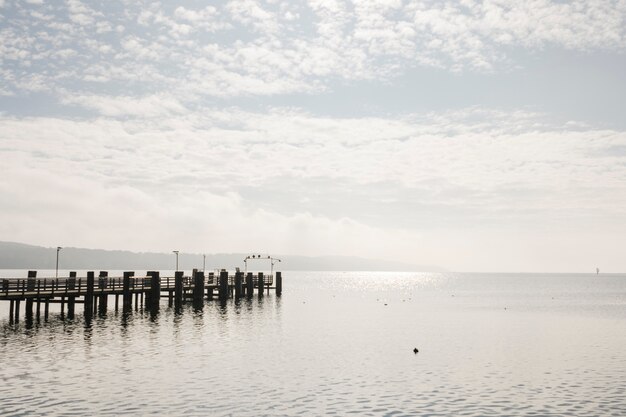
x: 155, y: 291
x: 31, y: 283
x: 198, y: 286
x: 223, y: 285
x: 279, y: 283
x: 127, y: 296
x: 102, y: 285
x: 88, y: 300
x: 260, y: 284
x: 17, y: 310
x: 249, y: 284
x: 71, y: 299
x: 209, y: 287
x: 11, y: 307
x: 238, y: 282
x: 178, y: 288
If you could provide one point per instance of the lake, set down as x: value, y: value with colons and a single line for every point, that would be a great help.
x: 337, y: 343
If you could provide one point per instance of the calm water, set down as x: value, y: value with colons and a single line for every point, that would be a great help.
x: 338, y: 343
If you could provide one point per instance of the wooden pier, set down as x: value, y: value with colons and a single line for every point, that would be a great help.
x: 94, y: 291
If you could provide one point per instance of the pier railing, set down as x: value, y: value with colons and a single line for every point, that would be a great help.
x: 76, y: 286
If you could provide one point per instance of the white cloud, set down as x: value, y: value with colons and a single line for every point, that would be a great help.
x: 155, y: 105
x: 282, y: 182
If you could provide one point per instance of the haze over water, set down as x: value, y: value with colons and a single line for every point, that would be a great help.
x: 338, y: 343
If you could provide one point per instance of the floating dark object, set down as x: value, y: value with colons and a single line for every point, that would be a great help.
x: 415, y: 350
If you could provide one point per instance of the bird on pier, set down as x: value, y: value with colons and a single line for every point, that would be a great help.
x: 415, y: 350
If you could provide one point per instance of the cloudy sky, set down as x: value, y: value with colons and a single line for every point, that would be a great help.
x: 473, y: 135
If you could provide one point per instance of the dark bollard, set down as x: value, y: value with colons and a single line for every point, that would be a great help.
x: 223, y: 285
x: 260, y: 284
x: 127, y: 296
x: 31, y: 283
x: 238, y: 283
x: 249, y: 284
x: 178, y: 288
x: 279, y: 283
x: 198, y: 286
x: 88, y: 300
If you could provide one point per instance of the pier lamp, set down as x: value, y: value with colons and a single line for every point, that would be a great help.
x: 56, y: 275
x: 176, y: 252
x: 272, y: 264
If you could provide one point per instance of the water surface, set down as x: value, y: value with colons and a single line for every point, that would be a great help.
x: 337, y: 343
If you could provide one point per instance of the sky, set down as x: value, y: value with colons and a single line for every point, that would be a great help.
x: 471, y: 135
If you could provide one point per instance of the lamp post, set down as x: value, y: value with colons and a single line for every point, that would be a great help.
x: 176, y: 252
x: 56, y: 275
x: 203, y: 262
x: 272, y: 265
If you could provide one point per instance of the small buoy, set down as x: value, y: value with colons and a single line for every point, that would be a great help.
x: 415, y: 350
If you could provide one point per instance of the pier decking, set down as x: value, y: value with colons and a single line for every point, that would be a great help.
x: 93, y: 292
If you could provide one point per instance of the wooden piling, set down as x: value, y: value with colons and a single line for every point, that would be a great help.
x: 103, y: 283
x: 249, y: 284
x: 11, y: 310
x: 46, y: 309
x: 198, y: 286
x: 154, y: 294
x: 279, y: 283
x: 238, y: 283
x: 260, y: 284
x: 71, y: 299
x: 17, y: 310
x: 178, y: 288
x: 31, y: 284
x: 223, y: 285
x: 210, y: 285
x: 127, y: 296
x: 88, y: 300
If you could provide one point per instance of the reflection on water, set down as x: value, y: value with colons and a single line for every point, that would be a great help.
x: 336, y: 343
